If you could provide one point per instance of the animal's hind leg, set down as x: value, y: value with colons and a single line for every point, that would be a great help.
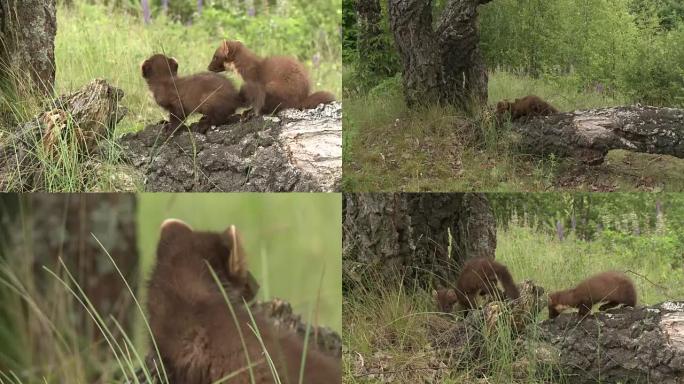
x: 608, y: 305
x: 584, y: 309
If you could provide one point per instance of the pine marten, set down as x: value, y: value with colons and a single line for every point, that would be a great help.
x: 613, y: 288
x: 270, y: 84
x: 198, y: 339
x: 479, y: 276
x: 207, y: 93
x: 528, y: 106
x: 445, y: 298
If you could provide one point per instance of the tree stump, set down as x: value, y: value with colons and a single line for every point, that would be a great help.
x: 81, y: 121
x: 589, y: 135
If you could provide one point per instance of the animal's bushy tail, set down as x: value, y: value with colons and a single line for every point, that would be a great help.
x: 316, y: 98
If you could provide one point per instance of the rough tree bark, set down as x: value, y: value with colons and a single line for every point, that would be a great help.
x: 297, y: 151
x: 64, y: 226
x: 426, y: 236
x: 39, y: 229
x: 442, y: 64
x: 27, y: 40
x: 624, y: 345
x: 589, y: 135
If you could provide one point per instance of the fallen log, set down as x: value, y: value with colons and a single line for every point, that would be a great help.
x: 295, y: 151
x: 588, y: 135
x: 643, y: 344
x: 621, y: 345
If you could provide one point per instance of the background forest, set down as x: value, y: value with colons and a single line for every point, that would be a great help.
x: 576, y: 55
x: 48, y: 331
x: 556, y: 240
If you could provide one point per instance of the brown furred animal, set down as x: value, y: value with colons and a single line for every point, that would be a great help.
x: 528, y: 106
x: 270, y: 84
x: 479, y: 276
x: 445, y: 298
x: 611, y: 288
x: 210, y: 94
x: 199, y: 339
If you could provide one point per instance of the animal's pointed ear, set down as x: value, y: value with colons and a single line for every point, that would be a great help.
x: 225, y: 47
x: 173, y: 65
x: 237, y: 259
x: 174, y: 227
x: 145, y: 68
x: 173, y: 233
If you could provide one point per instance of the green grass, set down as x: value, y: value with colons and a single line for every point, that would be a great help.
x: 293, y: 242
x: 100, y: 41
x: 388, y: 147
x: 94, y: 42
x: 387, y: 325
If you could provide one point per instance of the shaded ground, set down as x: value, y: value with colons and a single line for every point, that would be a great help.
x: 435, y: 154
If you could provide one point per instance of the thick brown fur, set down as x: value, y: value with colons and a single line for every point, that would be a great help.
x: 198, y: 338
x: 210, y: 94
x: 479, y: 276
x: 611, y: 288
x: 270, y: 84
x: 526, y: 107
x: 445, y: 298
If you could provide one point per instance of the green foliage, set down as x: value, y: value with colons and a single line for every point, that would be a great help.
x: 605, y: 45
x: 82, y: 54
x: 368, y: 60
x: 655, y: 74
x: 610, y: 217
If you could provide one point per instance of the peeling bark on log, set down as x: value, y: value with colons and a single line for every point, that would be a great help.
x: 589, y: 135
x: 297, y: 151
x: 80, y: 120
x: 625, y: 345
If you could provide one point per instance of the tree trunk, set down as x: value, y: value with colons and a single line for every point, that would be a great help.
x: 27, y: 41
x: 411, y: 25
x: 369, y: 38
x: 443, y: 64
x: 589, y: 135
x: 42, y: 228
x: 424, y: 236
x: 463, y: 68
x: 69, y: 226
